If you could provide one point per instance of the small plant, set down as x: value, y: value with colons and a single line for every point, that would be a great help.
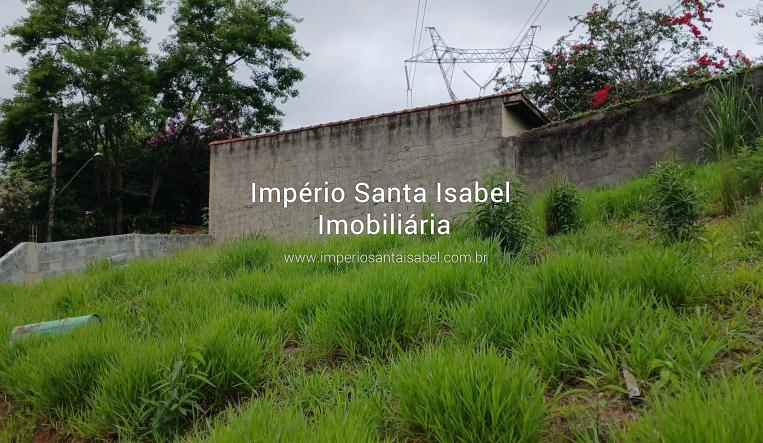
x: 376, y: 316
x: 673, y: 199
x: 561, y: 207
x: 178, y: 397
x: 507, y: 221
x: 469, y: 396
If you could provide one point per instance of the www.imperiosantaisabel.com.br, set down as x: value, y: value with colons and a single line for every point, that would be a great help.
x: 389, y: 257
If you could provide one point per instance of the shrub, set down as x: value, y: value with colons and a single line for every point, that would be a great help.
x: 508, y: 221
x: 727, y: 409
x: 673, y: 201
x: 469, y: 396
x: 732, y: 116
x: 561, y: 207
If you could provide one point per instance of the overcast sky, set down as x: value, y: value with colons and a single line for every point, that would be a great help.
x: 357, y: 47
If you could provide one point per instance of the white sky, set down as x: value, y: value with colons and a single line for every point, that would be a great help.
x: 357, y: 47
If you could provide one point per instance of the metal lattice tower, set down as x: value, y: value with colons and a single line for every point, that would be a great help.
x: 514, y: 59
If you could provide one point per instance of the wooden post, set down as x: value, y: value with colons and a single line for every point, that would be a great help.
x: 53, y: 164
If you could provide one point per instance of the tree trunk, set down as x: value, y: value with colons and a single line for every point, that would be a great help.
x: 155, y: 183
x: 118, y: 188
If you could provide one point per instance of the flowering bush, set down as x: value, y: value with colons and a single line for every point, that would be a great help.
x: 620, y: 51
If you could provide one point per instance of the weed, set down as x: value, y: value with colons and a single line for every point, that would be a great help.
x: 373, y: 318
x: 561, y: 207
x: 731, y: 117
x: 506, y: 221
x: 674, y: 204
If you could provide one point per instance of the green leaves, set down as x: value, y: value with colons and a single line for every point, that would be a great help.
x: 508, y: 221
x: 561, y: 207
x: 674, y: 202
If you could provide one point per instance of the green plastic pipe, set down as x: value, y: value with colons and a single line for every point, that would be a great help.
x: 54, y: 327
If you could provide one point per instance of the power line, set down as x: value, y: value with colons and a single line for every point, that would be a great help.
x: 516, y: 57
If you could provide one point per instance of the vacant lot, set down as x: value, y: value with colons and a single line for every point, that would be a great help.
x: 232, y: 343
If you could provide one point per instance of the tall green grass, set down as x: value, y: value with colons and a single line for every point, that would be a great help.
x: 263, y: 421
x: 467, y: 396
x: 367, y: 352
x: 732, y: 116
x: 375, y: 317
x: 728, y: 409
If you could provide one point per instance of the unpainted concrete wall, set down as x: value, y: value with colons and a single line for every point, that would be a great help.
x: 454, y: 145
x: 13, y: 265
x: 28, y: 262
x: 614, y: 146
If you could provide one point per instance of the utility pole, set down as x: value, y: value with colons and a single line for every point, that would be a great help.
x: 53, y: 164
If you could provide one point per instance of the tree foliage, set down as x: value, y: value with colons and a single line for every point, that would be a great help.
x: 17, y: 201
x: 223, y: 71
x: 620, y: 51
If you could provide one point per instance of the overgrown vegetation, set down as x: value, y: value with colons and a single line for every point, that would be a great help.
x: 674, y: 205
x: 561, y: 207
x: 231, y: 343
x: 508, y: 221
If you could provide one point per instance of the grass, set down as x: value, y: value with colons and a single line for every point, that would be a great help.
x: 458, y: 395
x: 231, y: 343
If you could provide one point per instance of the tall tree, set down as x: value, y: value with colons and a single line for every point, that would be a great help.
x: 88, y: 61
x: 225, y: 68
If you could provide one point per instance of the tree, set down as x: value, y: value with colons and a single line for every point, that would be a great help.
x: 88, y: 61
x: 620, y: 51
x: 18, y: 196
x: 222, y: 73
x: 216, y: 43
x: 756, y: 18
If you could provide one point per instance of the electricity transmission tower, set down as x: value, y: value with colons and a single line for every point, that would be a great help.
x: 513, y: 59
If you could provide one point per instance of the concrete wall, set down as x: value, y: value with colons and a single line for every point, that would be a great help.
x: 30, y: 261
x: 611, y: 147
x: 454, y: 145
x: 13, y: 265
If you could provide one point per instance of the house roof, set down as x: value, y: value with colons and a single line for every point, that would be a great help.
x: 515, y: 100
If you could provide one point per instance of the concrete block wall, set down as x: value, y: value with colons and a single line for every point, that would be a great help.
x: 13, y: 265
x: 613, y: 146
x: 452, y: 144
x: 29, y: 262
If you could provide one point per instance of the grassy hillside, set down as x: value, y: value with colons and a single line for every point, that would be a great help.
x: 231, y: 343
